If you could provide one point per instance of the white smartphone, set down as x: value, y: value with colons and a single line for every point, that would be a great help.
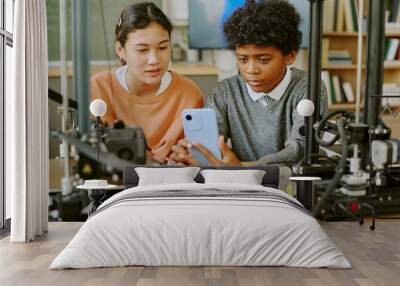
x: 200, y: 126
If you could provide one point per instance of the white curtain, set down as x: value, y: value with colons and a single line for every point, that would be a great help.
x: 27, y: 123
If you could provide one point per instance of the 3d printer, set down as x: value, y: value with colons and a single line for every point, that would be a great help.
x: 365, y: 177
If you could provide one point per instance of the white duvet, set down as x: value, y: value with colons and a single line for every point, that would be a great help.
x: 200, y: 231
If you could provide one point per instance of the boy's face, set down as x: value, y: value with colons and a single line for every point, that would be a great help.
x: 262, y: 67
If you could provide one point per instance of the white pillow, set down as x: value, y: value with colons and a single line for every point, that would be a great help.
x: 165, y: 176
x: 248, y: 177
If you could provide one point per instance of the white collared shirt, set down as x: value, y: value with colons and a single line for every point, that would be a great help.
x: 276, y: 93
x: 120, y: 74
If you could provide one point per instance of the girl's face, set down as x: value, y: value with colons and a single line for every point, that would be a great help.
x: 147, y: 53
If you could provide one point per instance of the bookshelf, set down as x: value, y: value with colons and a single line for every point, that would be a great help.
x: 339, y: 50
x: 339, y: 55
x: 348, y: 71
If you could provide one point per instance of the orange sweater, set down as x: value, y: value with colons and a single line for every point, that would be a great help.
x: 159, y: 116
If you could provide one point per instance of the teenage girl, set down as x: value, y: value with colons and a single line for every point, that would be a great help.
x: 142, y: 91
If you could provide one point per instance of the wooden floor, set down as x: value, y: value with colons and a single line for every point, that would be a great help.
x: 375, y: 256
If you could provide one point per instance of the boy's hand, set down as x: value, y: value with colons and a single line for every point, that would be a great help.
x: 182, y: 155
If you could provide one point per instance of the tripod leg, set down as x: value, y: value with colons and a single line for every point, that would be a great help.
x: 361, y: 220
x: 372, y: 226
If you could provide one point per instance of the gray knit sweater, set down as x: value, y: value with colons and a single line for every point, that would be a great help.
x: 265, y: 134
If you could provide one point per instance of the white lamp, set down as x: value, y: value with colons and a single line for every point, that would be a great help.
x: 305, y: 107
x: 98, y: 108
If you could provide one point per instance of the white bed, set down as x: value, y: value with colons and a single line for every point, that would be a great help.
x: 249, y: 226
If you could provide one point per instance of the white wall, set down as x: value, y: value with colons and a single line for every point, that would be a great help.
x: 302, y: 60
x: 176, y: 9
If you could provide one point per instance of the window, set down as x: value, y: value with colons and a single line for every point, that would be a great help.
x: 9, y: 15
x: 6, y: 44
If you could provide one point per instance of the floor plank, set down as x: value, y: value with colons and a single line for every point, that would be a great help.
x: 375, y: 257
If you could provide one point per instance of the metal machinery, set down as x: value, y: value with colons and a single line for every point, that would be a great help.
x: 366, y: 175
x: 88, y: 150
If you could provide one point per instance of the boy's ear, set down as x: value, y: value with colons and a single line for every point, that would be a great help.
x: 119, y: 49
x: 290, y: 57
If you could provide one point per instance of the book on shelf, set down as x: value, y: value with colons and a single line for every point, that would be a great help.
x: 391, y: 88
x: 343, y: 96
x: 348, y: 18
x: 394, y: 90
x: 339, y: 57
x: 335, y: 63
x: 354, y: 14
x: 325, y: 50
x: 340, y: 16
x: 327, y: 82
x: 339, y: 54
x: 392, y: 23
x: 348, y: 92
x: 394, y: 46
x: 394, y: 11
x: 398, y: 54
x: 338, y: 91
x: 350, y: 13
x: 398, y: 13
x: 392, y: 27
x: 391, y: 49
x: 329, y: 18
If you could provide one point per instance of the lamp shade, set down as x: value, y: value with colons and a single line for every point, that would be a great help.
x: 98, y: 107
x: 305, y: 107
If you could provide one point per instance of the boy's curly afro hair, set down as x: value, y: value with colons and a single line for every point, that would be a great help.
x: 264, y: 23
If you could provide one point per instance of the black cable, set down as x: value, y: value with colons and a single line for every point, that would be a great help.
x: 339, y: 169
x: 393, y: 177
x: 319, y: 127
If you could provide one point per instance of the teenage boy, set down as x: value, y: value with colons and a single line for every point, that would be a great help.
x: 257, y: 109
